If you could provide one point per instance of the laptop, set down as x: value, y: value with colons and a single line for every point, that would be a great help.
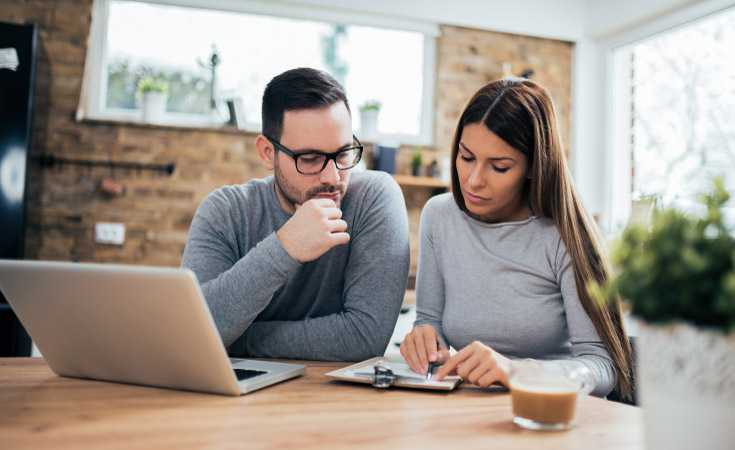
x: 129, y: 324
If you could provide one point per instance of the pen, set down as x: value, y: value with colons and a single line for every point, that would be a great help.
x: 433, y: 366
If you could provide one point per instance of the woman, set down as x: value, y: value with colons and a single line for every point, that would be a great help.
x: 504, y: 259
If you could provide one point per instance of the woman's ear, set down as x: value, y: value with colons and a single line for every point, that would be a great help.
x: 265, y: 151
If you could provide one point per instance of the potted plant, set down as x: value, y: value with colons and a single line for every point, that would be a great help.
x: 678, y: 275
x: 153, y: 93
x: 369, y: 118
x: 417, y: 159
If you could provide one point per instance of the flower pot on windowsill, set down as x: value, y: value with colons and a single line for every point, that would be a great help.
x: 153, y: 105
x: 369, y: 123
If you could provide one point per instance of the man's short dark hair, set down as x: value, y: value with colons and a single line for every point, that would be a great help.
x: 302, y: 88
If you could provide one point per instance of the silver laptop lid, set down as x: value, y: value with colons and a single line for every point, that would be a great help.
x: 130, y: 324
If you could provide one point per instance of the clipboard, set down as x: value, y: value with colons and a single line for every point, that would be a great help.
x: 364, y: 376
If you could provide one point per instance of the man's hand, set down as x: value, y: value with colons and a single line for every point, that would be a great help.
x: 313, y: 230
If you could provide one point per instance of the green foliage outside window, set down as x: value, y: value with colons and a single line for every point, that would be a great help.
x: 331, y: 44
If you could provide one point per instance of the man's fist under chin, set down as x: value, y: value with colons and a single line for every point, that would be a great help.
x: 313, y: 230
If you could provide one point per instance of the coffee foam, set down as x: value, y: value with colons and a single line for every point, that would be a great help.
x: 545, y: 386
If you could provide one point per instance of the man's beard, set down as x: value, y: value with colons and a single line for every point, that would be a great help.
x: 292, y: 195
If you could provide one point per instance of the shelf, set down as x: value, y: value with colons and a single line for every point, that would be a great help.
x: 409, y: 180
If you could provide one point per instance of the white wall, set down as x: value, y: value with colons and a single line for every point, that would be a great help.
x: 557, y: 19
x: 585, y: 156
x: 604, y: 18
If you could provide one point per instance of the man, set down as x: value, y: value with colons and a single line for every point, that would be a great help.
x: 312, y: 262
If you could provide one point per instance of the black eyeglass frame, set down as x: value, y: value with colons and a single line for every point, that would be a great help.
x: 327, y: 156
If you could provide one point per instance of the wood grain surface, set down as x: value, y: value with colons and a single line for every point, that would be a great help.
x: 41, y: 410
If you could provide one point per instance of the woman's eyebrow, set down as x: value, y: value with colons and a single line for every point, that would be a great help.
x: 461, y: 144
x: 502, y: 158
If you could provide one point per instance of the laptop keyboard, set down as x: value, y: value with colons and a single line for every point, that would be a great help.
x: 244, y: 374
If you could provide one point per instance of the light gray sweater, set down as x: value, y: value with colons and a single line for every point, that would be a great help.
x: 342, y: 306
x: 509, y: 285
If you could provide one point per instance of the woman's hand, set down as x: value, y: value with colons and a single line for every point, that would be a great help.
x: 478, y: 364
x: 421, y: 346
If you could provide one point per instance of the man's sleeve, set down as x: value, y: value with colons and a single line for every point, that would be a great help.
x: 375, y: 283
x: 234, y: 293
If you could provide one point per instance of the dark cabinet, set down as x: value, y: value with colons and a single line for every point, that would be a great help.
x: 18, y: 49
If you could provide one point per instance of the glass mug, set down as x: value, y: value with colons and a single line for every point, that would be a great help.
x: 545, y: 393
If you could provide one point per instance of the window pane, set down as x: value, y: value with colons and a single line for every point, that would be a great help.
x: 684, y: 105
x: 176, y: 43
x: 387, y: 65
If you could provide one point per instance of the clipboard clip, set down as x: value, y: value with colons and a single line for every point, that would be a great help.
x: 384, y: 377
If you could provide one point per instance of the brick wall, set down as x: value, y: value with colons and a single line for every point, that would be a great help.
x: 469, y: 58
x: 65, y: 201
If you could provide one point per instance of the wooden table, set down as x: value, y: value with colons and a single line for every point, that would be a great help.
x: 41, y: 410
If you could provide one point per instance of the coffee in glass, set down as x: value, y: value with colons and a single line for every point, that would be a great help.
x: 545, y: 393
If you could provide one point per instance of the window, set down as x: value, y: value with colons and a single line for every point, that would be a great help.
x: 675, y: 102
x: 392, y: 63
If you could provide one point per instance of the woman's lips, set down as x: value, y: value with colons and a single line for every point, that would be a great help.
x: 474, y: 198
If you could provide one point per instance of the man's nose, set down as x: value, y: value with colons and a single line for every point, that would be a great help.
x: 330, y: 174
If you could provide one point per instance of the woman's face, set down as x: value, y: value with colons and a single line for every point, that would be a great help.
x: 492, y: 175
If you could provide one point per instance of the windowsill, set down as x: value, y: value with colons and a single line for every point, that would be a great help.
x: 156, y: 126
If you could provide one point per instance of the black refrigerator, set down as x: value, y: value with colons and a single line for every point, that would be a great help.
x: 18, y: 50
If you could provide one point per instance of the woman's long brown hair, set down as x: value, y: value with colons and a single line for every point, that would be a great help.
x: 521, y: 112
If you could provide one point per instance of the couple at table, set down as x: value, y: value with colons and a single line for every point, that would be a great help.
x: 312, y: 262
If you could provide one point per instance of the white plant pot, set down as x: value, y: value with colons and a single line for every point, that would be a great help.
x: 686, y: 385
x: 153, y: 104
x: 369, y: 123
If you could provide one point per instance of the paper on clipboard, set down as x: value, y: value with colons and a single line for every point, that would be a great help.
x: 363, y: 372
x: 9, y: 59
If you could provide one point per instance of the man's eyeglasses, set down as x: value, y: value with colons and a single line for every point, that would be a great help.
x: 313, y: 162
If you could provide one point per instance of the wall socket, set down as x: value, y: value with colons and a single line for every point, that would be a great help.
x: 109, y: 233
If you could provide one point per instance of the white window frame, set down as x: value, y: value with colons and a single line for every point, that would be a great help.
x: 617, y: 115
x: 92, y: 105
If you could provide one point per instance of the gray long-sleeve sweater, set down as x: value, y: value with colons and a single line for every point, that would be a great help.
x: 342, y: 306
x: 509, y: 285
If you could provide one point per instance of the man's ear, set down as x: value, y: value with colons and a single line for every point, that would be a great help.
x: 265, y: 151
